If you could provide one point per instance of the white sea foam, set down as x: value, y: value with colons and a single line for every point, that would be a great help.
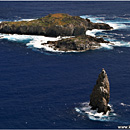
x: 34, y: 41
x: 49, y: 48
x: 113, y: 23
x: 116, y: 43
x: 121, y: 44
x: 26, y: 19
x: 116, y: 24
x: 16, y: 37
x: 106, y: 46
x: 1, y: 20
x: 38, y: 40
x: 123, y: 104
x: 85, y: 109
x: 93, y: 18
x: 93, y: 32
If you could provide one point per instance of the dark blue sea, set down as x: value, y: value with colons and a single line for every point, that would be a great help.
x: 43, y: 89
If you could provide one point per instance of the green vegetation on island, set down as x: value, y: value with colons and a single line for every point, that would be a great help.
x: 59, y: 24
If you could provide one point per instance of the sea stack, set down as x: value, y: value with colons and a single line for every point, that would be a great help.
x: 100, y: 95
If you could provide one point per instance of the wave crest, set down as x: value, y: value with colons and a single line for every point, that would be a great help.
x: 85, y: 109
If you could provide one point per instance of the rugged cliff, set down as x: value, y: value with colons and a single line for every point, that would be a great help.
x: 101, y: 93
x: 52, y: 25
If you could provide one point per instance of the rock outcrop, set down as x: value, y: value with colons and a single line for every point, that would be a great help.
x: 101, y: 93
x: 78, y: 43
x: 52, y: 25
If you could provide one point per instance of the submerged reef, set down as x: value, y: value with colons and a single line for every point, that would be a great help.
x: 100, y: 95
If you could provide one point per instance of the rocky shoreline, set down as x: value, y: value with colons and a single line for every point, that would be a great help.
x: 54, y: 25
x: 77, y: 44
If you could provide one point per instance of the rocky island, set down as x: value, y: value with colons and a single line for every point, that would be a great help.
x: 54, y: 25
x: 78, y: 43
x: 100, y: 95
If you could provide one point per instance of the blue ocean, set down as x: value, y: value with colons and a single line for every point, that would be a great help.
x: 43, y: 89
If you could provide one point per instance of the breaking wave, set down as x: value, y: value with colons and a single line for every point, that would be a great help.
x: 36, y: 42
x: 93, y: 18
x: 85, y: 109
x: 33, y: 41
x: 40, y: 42
x: 115, y: 22
x: 25, y: 20
x: 106, y: 46
x: 116, y: 38
x: 93, y: 32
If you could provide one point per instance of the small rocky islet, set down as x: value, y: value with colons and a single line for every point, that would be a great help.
x: 78, y: 43
x: 100, y: 95
x: 60, y: 24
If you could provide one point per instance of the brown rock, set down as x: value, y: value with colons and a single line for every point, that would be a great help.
x: 100, y: 95
x: 52, y: 25
x: 78, y: 43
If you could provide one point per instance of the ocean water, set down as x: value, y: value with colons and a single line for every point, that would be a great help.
x: 44, y: 89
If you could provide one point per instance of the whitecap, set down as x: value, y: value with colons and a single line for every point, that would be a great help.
x: 16, y: 37
x: 121, y: 44
x: 120, y: 20
x: 85, y: 109
x: 1, y: 20
x: 126, y: 15
x: 93, y: 32
x: 109, y: 36
x: 106, y: 46
x: 34, y: 41
x: 123, y: 104
x: 25, y: 20
x: 93, y: 19
x: 116, y: 25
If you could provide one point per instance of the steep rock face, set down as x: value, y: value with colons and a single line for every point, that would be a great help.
x: 78, y: 43
x: 100, y: 95
x: 52, y: 25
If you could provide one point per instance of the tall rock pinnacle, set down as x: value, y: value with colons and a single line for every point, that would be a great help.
x: 100, y: 95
